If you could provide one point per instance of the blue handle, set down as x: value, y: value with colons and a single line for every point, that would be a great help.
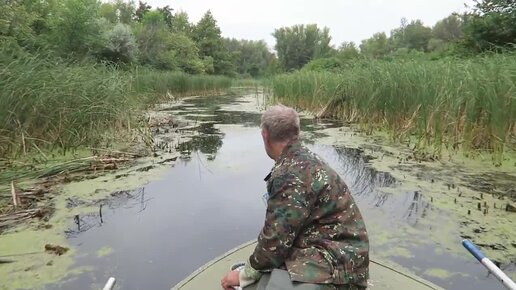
x: 473, y: 250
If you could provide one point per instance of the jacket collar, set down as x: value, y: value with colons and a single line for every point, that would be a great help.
x: 291, y: 147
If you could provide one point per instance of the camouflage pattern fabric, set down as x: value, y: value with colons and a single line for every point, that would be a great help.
x: 313, y: 227
x: 280, y: 280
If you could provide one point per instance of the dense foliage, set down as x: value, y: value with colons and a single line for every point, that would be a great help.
x: 124, y: 33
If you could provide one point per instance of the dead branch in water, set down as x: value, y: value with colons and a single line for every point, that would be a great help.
x: 16, y: 199
x: 19, y: 204
x: 19, y: 216
x: 33, y: 193
x: 110, y: 151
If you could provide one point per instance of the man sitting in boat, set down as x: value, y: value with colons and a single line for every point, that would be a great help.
x: 314, y: 232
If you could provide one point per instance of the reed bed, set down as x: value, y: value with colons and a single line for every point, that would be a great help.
x: 46, y: 104
x: 466, y: 103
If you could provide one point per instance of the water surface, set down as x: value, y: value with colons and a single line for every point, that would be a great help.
x: 210, y: 200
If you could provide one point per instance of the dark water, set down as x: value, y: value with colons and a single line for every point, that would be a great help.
x: 211, y: 201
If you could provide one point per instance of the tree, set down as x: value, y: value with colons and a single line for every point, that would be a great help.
x: 208, y: 38
x: 446, y: 33
x: 15, y: 24
x: 449, y: 29
x: 207, y: 35
x: 348, y: 50
x: 377, y: 46
x: 251, y: 58
x: 181, y: 24
x: 411, y: 36
x: 299, y: 44
x: 163, y: 49
x: 397, y: 38
x: 143, y: 8
x: 167, y: 15
x: 118, y: 11
x: 76, y: 28
x: 154, y: 42
x: 417, y: 35
x: 126, y: 11
x: 186, y: 54
x: 109, y: 12
x: 491, y: 25
x: 24, y: 24
x: 120, y: 45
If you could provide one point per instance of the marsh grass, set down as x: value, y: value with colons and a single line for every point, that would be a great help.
x: 467, y: 103
x: 47, y: 105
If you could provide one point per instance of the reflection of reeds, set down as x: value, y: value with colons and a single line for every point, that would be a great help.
x: 446, y: 102
x: 361, y: 178
x: 120, y: 199
x: 417, y: 209
x: 381, y: 197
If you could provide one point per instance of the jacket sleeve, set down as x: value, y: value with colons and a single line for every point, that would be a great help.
x: 248, y: 275
x: 288, y: 209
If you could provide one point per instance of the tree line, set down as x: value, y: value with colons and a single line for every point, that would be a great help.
x: 489, y: 26
x: 128, y: 34
x: 123, y: 33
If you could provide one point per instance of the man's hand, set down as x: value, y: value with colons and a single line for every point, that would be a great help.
x: 230, y: 280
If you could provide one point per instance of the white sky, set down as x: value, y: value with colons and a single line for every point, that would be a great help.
x: 348, y: 20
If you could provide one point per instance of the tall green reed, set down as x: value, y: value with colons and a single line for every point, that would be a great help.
x: 468, y: 103
x: 48, y: 104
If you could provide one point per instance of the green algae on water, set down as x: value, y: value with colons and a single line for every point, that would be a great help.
x: 104, y: 251
x: 438, y: 273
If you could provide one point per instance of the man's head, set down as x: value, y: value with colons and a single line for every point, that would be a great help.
x: 280, y: 125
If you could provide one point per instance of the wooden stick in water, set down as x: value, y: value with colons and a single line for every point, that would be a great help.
x: 16, y: 198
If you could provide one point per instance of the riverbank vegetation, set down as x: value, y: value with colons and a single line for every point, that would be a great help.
x: 45, y: 104
x: 70, y: 70
x: 451, y: 86
x: 451, y: 103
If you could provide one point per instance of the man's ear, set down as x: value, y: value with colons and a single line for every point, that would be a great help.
x: 265, y: 134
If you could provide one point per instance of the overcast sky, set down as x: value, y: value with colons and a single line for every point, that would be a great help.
x: 348, y: 20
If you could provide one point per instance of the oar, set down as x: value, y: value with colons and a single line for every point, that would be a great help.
x: 506, y: 281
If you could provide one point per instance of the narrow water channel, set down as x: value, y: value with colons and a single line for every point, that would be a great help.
x: 210, y: 200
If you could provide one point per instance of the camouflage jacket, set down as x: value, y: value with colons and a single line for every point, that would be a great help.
x: 313, y: 227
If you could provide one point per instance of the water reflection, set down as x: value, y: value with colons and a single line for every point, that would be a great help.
x: 355, y: 165
x: 207, y: 140
x: 119, y: 199
x: 204, y: 115
x: 83, y: 223
x: 417, y: 209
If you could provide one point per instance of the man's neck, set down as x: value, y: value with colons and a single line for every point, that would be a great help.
x: 277, y: 149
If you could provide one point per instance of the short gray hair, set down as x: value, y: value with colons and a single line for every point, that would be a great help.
x: 281, y: 122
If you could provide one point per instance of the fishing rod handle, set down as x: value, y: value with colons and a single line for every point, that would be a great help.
x: 506, y: 281
x: 110, y: 284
